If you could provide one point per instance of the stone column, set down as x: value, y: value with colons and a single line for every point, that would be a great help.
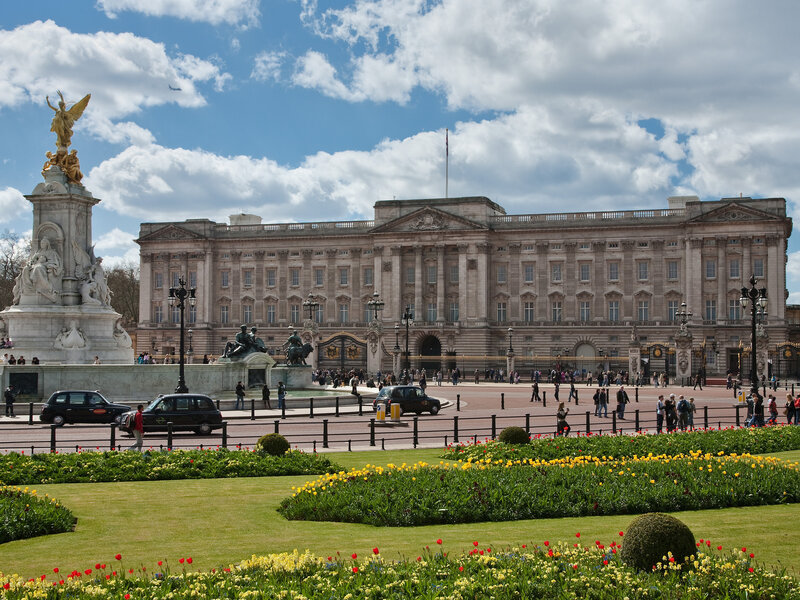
x: 722, y: 280
x: 419, y: 310
x: 570, y: 282
x: 694, y: 283
x: 283, y: 287
x: 514, y: 282
x: 259, y: 288
x: 308, y: 254
x: 440, y: 284
x: 775, y: 291
x: 658, y: 308
x: 330, y: 286
x: 483, y: 279
x: 397, y: 303
x: 210, y: 291
x: 377, y: 278
x: 542, y: 278
x: 747, y: 259
x: 630, y: 278
x: 145, y: 287
x: 236, y: 288
x: 599, y: 282
x: 356, y: 301
x: 463, y: 297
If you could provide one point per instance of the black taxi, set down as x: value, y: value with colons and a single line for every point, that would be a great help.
x: 80, y: 406
x: 186, y: 412
x: 411, y: 398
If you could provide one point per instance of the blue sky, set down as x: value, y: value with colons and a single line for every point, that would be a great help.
x: 303, y: 110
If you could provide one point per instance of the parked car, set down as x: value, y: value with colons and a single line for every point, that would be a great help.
x: 411, y: 398
x: 186, y: 412
x: 80, y: 406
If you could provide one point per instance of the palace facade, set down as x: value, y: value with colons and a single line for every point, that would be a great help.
x: 576, y: 289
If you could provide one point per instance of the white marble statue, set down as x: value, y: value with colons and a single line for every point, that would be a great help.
x: 121, y: 336
x: 42, y: 274
x: 70, y: 337
x: 89, y: 271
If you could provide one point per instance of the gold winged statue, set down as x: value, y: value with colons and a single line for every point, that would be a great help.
x: 63, y: 120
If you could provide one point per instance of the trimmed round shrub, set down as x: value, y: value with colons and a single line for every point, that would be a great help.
x: 514, y: 435
x: 273, y: 443
x: 651, y: 536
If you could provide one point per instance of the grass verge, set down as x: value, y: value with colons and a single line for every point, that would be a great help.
x: 218, y: 522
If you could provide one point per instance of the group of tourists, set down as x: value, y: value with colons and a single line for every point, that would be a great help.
x: 678, y: 414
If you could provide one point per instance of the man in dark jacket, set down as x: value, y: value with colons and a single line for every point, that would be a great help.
x: 9, y: 397
x: 622, y: 400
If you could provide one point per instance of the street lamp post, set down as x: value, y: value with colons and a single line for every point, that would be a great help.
x: 191, y: 350
x: 756, y: 300
x: 510, y: 335
x: 375, y: 305
x: 180, y: 294
x: 310, y: 305
x: 407, y: 319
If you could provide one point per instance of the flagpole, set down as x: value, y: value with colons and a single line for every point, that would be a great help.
x: 446, y: 161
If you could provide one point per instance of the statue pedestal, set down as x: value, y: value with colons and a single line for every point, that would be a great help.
x: 41, y: 331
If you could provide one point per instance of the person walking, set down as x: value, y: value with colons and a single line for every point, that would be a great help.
x: 281, y: 395
x: 773, y: 410
x: 692, y: 410
x: 671, y: 414
x: 603, y: 403
x: 698, y: 380
x: 265, y: 396
x: 239, y: 396
x: 573, y: 393
x: 555, y: 392
x: 788, y: 409
x: 622, y: 400
x: 9, y: 398
x: 138, y: 429
x: 535, y: 392
x: 660, y: 410
x: 561, y: 420
x: 683, y: 413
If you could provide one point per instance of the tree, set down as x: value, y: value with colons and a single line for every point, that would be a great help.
x: 14, y: 251
x: 123, y: 282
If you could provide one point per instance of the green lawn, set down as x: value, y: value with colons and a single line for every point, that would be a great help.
x: 218, y: 522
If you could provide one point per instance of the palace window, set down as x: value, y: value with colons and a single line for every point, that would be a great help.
x: 453, y: 312
x: 672, y: 269
x: 585, y: 269
x: 643, y: 310
x: 556, y: 310
x: 368, y: 276
x: 528, y: 273
x: 613, y: 310
x: 733, y: 269
x: 613, y: 271
x: 294, y: 313
x: 585, y: 310
x: 502, y: 275
x: 270, y: 277
x: 501, y: 312
x: 294, y: 277
x: 529, y: 312
x: 270, y: 313
x: 319, y: 277
x: 224, y: 314
x: 247, y: 313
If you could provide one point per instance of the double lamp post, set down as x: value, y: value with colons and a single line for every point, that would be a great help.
x: 178, y: 297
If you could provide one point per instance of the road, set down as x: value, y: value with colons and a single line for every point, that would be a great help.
x: 472, y: 413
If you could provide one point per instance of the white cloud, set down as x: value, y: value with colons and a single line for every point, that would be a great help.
x: 267, y: 65
x: 124, y: 73
x: 12, y: 204
x: 231, y: 12
x: 575, y: 158
x: 793, y: 265
x: 117, y: 247
x: 794, y: 298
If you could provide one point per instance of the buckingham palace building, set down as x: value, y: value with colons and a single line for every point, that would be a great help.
x: 583, y: 290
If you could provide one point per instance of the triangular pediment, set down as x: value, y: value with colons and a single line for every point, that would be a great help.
x: 734, y: 211
x: 428, y: 219
x: 170, y: 233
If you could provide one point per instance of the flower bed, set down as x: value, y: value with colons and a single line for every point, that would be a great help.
x: 23, y: 515
x: 79, y: 467
x: 753, y: 440
x: 542, y: 571
x: 476, y: 491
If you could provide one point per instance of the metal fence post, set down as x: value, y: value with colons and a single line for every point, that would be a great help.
x: 494, y: 427
x: 614, y: 421
x: 217, y: 401
x: 416, y: 431
x: 544, y: 398
x: 311, y: 408
x: 277, y: 425
x: 30, y: 413
x: 705, y: 417
x: 225, y: 434
x: 360, y: 406
x: 283, y: 409
x: 637, y: 394
x: 502, y: 400
x: 576, y: 396
x: 337, y: 406
x: 252, y: 409
x: 636, y: 412
x: 588, y: 423
x: 738, y: 422
x: 169, y: 435
x: 458, y: 401
x: 113, y: 435
x: 528, y: 423
x: 455, y: 429
x: 52, y: 439
x: 324, y: 433
x: 372, y: 431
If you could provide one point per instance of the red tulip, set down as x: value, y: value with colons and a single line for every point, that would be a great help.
x: 55, y: 570
x: 439, y: 541
x: 189, y: 560
x: 118, y: 556
x: 461, y: 568
x: 375, y: 551
x: 355, y: 569
x: 474, y: 543
x: 354, y: 555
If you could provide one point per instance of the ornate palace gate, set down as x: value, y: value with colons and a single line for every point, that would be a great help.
x: 342, y: 351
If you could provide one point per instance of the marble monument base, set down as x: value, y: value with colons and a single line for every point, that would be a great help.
x: 67, y: 334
